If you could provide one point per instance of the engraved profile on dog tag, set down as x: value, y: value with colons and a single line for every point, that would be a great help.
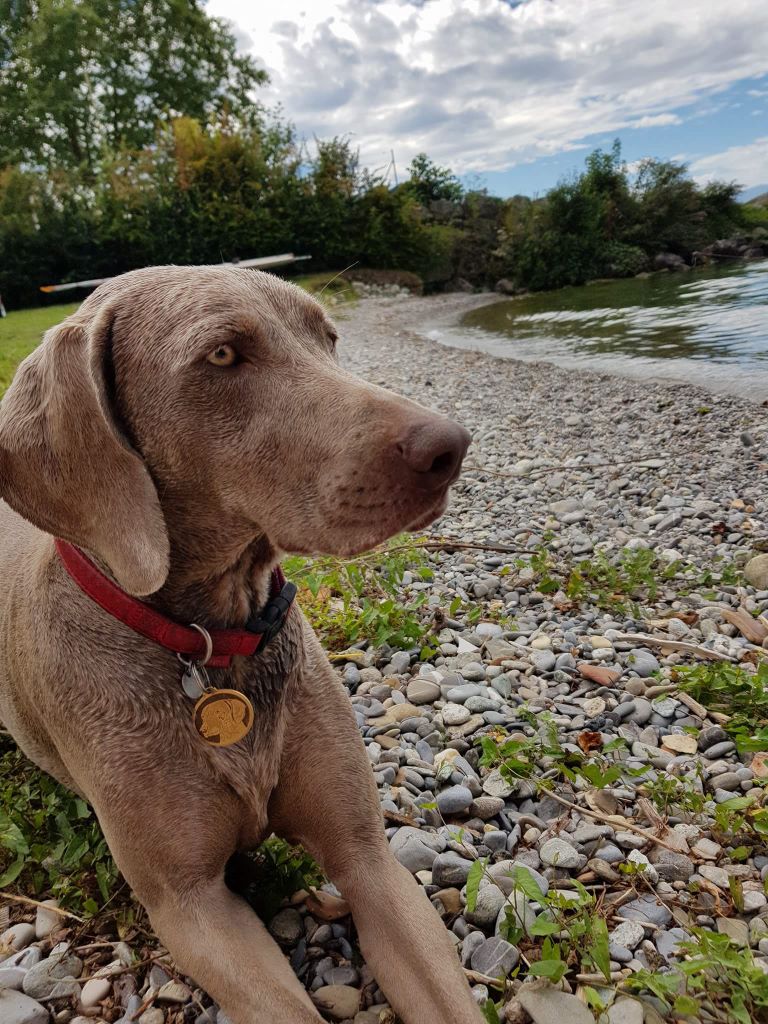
x: 222, y: 717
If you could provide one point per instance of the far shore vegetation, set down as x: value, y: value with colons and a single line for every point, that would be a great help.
x: 108, y: 163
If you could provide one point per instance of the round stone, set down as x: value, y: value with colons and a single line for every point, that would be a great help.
x: 455, y: 714
x: 454, y: 800
x: 287, y: 926
x: 422, y: 691
x: 558, y: 853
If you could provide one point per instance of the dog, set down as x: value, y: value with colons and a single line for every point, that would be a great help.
x: 173, y: 439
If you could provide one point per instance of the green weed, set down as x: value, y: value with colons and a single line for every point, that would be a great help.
x: 625, y: 583
x: 50, y: 840
x: 723, y: 687
x: 716, y: 980
x: 347, y: 600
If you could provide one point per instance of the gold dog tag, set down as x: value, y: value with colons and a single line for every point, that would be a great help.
x: 222, y: 717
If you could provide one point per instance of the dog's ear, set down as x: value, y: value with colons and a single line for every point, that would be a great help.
x: 66, y: 465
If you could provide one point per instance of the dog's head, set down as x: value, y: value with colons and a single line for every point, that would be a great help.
x: 183, y: 388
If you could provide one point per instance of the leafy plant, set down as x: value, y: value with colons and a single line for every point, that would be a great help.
x: 671, y: 794
x: 572, y: 933
x: 352, y: 599
x: 273, y: 873
x: 731, y: 689
x: 715, y: 980
x: 625, y: 582
x: 50, y: 840
x: 519, y: 759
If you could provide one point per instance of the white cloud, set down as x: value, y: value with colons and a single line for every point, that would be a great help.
x: 486, y: 84
x: 657, y: 121
x: 748, y: 165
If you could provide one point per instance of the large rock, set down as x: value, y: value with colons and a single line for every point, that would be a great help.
x: 287, y: 926
x: 490, y: 900
x: 547, y: 1005
x: 454, y: 800
x: 415, y: 848
x: 669, y: 261
x: 495, y: 957
x: 339, y: 1002
x: 558, y: 853
x: 450, y: 869
x: 16, y: 1008
x: 54, y: 977
x: 47, y: 920
x: 756, y: 572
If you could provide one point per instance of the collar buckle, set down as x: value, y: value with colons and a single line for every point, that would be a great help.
x: 272, y: 616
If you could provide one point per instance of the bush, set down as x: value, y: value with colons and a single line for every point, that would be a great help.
x: 608, y: 222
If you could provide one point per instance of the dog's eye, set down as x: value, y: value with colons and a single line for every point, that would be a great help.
x: 223, y: 355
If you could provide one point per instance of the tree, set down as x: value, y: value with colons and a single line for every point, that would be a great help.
x: 428, y: 182
x: 78, y: 76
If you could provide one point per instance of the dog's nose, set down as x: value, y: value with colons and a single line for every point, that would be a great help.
x: 434, y: 450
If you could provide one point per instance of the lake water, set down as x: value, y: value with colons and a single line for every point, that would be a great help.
x: 706, y: 327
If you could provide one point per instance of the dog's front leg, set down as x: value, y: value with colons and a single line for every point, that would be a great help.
x: 327, y: 799
x: 175, y: 865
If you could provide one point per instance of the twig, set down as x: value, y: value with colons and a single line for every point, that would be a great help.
x: 482, y: 979
x: 126, y: 970
x: 692, y: 704
x: 612, y: 819
x: 37, y: 903
x: 149, y: 999
x: 599, y: 979
x: 473, y: 467
x: 674, y: 645
x: 446, y: 544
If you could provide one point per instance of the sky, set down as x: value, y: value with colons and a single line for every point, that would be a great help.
x: 513, y: 95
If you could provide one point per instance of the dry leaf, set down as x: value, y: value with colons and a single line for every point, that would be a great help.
x: 603, y: 802
x: 598, y: 673
x: 590, y: 741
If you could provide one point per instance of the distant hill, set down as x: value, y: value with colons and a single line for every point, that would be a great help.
x: 757, y: 194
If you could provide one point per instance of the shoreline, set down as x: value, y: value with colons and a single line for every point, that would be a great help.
x: 441, y: 324
x: 422, y: 317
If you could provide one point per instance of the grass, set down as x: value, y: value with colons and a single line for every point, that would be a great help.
x: 328, y: 287
x: 22, y: 331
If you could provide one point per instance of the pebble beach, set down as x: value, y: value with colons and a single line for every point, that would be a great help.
x: 565, y: 467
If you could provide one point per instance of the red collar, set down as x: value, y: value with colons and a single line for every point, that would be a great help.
x: 164, y: 631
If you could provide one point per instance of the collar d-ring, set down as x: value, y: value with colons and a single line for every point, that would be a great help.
x: 208, y: 643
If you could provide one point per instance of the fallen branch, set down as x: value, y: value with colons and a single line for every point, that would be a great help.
x: 483, y: 979
x: 106, y: 973
x: 446, y: 545
x: 692, y: 704
x: 613, y: 819
x: 674, y: 645
x: 548, y: 469
x: 38, y: 903
x: 749, y: 627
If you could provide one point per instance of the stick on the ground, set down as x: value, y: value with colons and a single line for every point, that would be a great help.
x: 38, y: 903
x: 673, y: 645
x: 613, y: 819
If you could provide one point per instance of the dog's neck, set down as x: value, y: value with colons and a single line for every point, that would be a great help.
x: 216, y: 579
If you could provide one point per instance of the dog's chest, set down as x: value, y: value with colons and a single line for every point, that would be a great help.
x: 252, y: 766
